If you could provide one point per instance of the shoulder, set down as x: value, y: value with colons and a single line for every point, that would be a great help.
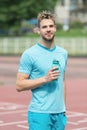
x: 30, y: 50
x: 61, y: 50
x: 30, y: 53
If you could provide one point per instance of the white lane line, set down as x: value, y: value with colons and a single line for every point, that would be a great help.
x: 76, y: 115
x: 13, y: 123
x: 1, y: 121
x: 72, y: 114
x: 73, y: 123
x: 11, y: 106
x: 84, y: 128
x: 13, y: 112
x: 83, y: 121
x: 22, y: 126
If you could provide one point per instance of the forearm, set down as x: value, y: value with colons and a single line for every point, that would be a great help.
x: 64, y: 85
x: 65, y: 93
x: 26, y: 84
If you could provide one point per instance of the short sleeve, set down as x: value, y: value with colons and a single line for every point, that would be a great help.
x: 25, y: 65
x: 66, y: 59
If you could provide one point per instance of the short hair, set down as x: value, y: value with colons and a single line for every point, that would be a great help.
x: 45, y: 15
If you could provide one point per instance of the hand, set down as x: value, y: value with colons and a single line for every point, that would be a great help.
x: 52, y: 74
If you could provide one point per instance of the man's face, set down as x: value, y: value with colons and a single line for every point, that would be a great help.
x: 47, y: 30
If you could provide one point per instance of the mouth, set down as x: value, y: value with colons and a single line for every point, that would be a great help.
x: 48, y: 37
x: 48, y: 34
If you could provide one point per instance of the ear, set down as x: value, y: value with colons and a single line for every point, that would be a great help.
x: 55, y: 28
x: 36, y: 30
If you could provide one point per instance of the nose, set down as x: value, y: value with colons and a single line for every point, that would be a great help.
x: 48, y: 28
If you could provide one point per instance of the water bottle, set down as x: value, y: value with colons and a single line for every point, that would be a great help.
x: 56, y: 64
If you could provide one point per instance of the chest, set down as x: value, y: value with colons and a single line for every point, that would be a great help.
x: 42, y: 63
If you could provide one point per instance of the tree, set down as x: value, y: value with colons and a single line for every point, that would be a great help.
x: 13, y: 11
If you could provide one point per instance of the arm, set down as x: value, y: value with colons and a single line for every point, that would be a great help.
x: 23, y: 83
x: 64, y: 89
x: 65, y: 79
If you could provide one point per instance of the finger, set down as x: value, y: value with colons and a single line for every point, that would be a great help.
x: 56, y: 71
x: 55, y: 68
x: 55, y: 77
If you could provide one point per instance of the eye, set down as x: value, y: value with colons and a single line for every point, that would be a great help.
x: 51, y: 26
x: 44, y: 26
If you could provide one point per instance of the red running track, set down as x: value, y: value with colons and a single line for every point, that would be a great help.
x: 13, y: 105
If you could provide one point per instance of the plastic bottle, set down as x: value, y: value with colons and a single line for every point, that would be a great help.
x: 56, y: 64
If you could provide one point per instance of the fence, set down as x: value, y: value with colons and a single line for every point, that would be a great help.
x: 74, y: 46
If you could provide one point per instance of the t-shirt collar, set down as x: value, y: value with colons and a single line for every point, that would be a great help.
x: 49, y: 49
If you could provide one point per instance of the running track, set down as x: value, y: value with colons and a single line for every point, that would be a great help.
x: 13, y: 105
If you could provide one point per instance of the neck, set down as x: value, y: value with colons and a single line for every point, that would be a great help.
x: 48, y: 44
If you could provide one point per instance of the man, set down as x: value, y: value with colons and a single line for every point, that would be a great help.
x: 47, y: 108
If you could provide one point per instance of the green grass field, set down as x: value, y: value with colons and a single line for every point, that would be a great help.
x: 60, y: 33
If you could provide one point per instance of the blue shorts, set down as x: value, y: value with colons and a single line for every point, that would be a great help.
x: 45, y: 121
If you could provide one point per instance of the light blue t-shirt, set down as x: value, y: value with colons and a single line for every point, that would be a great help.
x: 36, y: 61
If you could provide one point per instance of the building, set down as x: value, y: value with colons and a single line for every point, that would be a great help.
x: 71, y: 10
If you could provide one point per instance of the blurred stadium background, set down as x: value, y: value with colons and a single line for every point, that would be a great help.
x: 17, y: 24
x: 15, y: 46
x: 18, y: 20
